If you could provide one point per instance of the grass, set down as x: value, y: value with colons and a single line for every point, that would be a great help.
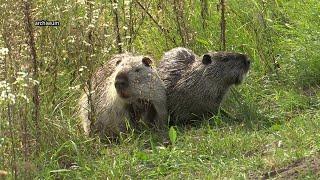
x: 226, y: 150
x: 277, y: 109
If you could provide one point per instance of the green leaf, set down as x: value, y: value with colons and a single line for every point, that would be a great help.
x: 142, y: 156
x: 276, y: 127
x: 172, y: 135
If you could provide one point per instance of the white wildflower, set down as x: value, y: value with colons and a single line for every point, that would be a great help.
x: 114, y: 5
x: 4, y: 95
x: 12, y: 98
x: 106, y: 50
x: 74, y: 87
x: 4, y: 51
x: 1, y: 141
x: 24, y: 97
x: 22, y: 74
x: 82, y: 68
x: 71, y: 39
x: 86, y: 43
x: 127, y: 3
x: 81, y: 1
x: 91, y: 26
x: 3, y: 84
x: 34, y: 82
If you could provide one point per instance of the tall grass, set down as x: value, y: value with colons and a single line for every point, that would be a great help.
x: 281, y: 37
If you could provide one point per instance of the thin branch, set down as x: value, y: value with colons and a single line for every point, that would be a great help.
x: 32, y: 46
x: 24, y: 131
x: 5, y: 34
x: 161, y: 29
x: 204, y: 13
x: 10, y: 119
x: 90, y: 52
x: 223, y: 25
x: 131, y: 28
x: 179, y: 18
x: 135, y: 32
x: 116, y: 25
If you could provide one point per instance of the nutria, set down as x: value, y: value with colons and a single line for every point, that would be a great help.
x: 132, y: 92
x: 195, y: 86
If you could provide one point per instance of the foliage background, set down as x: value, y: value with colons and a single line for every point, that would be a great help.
x: 277, y: 105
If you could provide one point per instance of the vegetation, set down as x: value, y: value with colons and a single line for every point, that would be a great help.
x: 274, y: 123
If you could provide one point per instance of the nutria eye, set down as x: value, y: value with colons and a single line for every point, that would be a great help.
x: 118, y: 62
x: 137, y: 70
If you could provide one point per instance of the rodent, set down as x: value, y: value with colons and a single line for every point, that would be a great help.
x: 195, y: 86
x: 126, y: 88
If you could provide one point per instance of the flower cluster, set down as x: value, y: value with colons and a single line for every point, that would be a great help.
x: 21, y: 82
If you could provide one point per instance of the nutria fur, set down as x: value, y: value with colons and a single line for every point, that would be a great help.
x: 196, y: 85
x: 127, y: 89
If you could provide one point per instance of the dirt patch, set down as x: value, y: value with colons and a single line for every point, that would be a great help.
x: 301, y: 167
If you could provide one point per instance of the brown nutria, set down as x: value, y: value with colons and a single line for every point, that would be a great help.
x: 196, y: 86
x: 132, y: 92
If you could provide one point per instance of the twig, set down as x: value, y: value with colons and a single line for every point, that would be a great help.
x: 162, y: 29
x: 223, y: 25
x: 10, y: 119
x: 116, y: 25
x: 32, y: 46
x: 178, y: 19
x: 131, y: 29
x: 204, y: 13
x: 90, y: 51
x: 135, y: 32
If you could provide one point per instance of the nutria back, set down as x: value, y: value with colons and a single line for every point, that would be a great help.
x: 174, y: 64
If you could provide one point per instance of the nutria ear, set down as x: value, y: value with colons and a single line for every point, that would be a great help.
x: 146, y: 61
x: 206, y: 59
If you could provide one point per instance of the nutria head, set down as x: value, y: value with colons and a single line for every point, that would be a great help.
x: 133, y: 77
x: 227, y: 68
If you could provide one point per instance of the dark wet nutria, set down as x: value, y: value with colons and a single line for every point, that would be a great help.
x: 196, y: 85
